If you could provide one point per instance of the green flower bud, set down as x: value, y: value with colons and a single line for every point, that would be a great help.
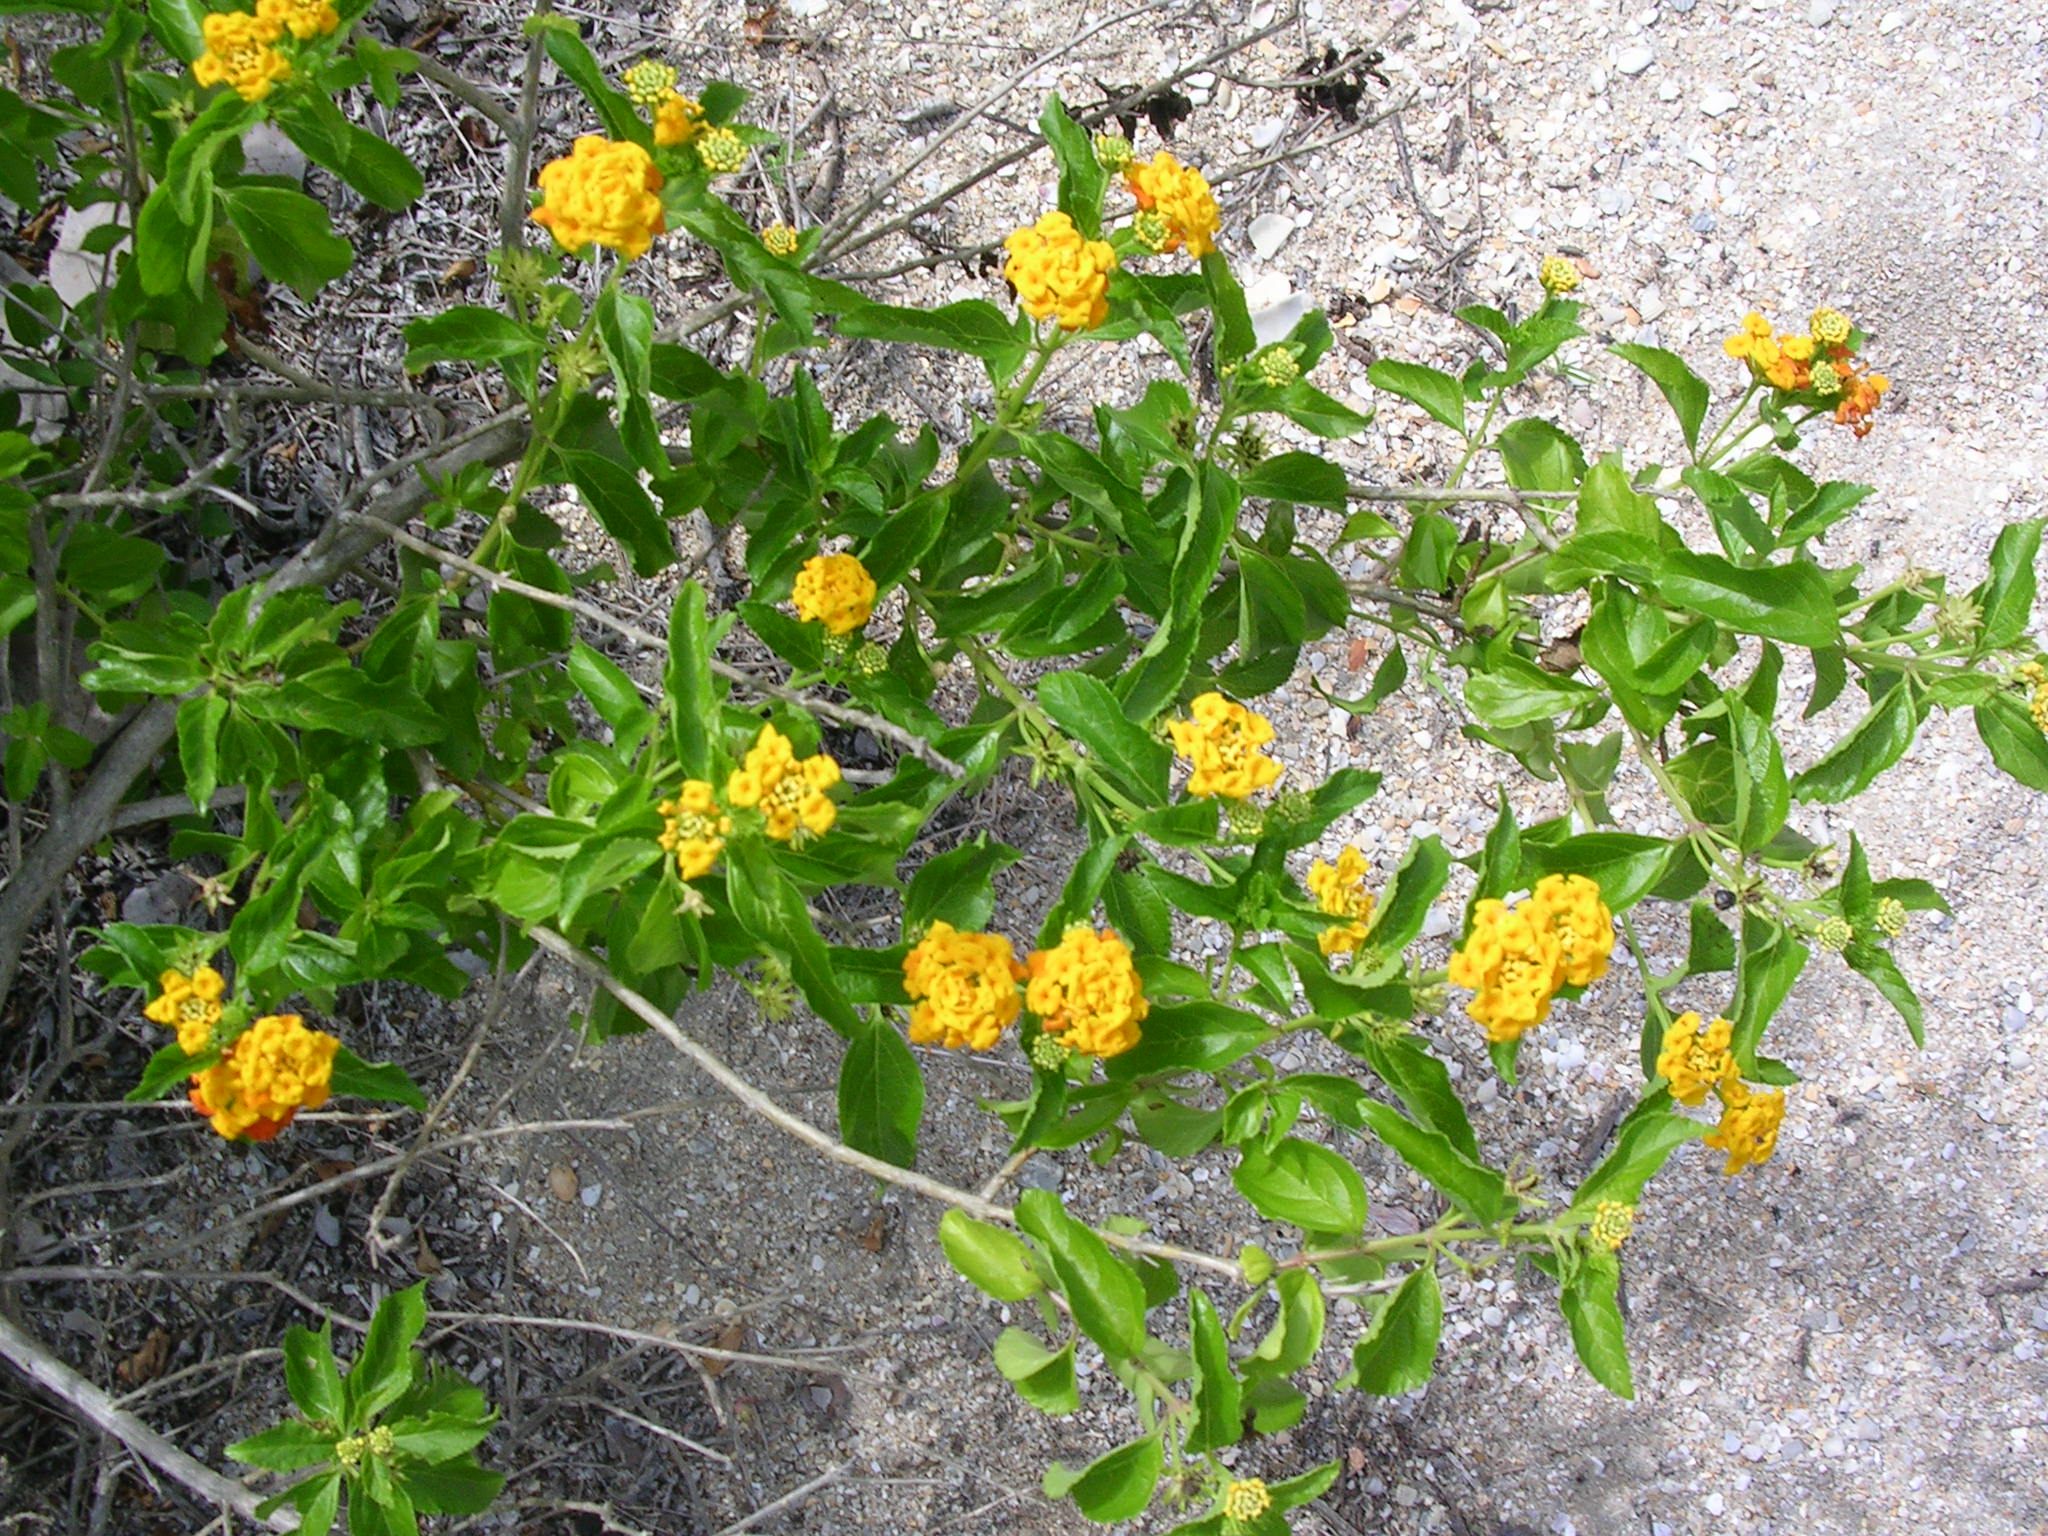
x: 1276, y: 365
x: 1834, y: 934
x: 1047, y: 1054
x: 1113, y: 151
x: 1890, y: 919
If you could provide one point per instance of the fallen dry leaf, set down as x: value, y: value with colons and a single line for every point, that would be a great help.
x: 459, y: 271
x: 877, y: 1232
x: 732, y: 1336
x: 1355, y: 656
x: 147, y: 1363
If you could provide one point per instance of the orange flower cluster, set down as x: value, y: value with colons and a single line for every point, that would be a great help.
x: 1819, y: 362
x: 270, y: 1073
x: 602, y: 193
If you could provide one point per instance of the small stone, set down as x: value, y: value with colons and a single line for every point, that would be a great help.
x: 562, y: 1182
x: 1890, y: 22
x: 1716, y: 1505
x: 1718, y: 103
x: 1268, y: 133
x: 1039, y: 1173
x: 1679, y: 7
x: 326, y: 1226
x: 1634, y: 61
x: 1269, y: 231
x: 1703, y: 223
x: 592, y: 1193
x: 1820, y: 12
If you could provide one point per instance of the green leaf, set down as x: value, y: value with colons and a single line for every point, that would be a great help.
x: 996, y: 1261
x: 1769, y: 961
x: 1712, y: 946
x: 1590, y: 1306
x: 177, y: 25
x: 310, y: 1374
x: 289, y: 235
x: 2006, y: 599
x: 1609, y: 504
x: 318, y: 1500
x: 285, y: 1447
x: 1217, y: 1398
x: 1117, y: 1486
x: 881, y: 1094
x: 1423, y: 1085
x: 1198, y: 1036
x: 1398, y: 1353
x: 167, y: 1067
x: 1625, y: 865
x: 1293, y: 1492
x: 1434, y: 390
x: 957, y: 886
x: 1536, y: 455
x: 2014, y: 741
x: 1647, y: 1138
x: 384, y: 1368
x: 1155, y: 681
x: 1792, y: 603
x: 1235, y: 337
x: 1082, y: 177
x: 1735, y: 516
x: 1515, y: 691
x: 1301, y: 1183
x: 1869, y: 747
x: 199, y: 723
x: 466, y: 333
x: 973, y: 326
x: 1086, y: 710
x: 1470, y: 1185
x: 611, y: 489
x: 1876, y: 966
x: 693, y: 697
x: 108, y: 567
x: 1307, y: 479
x: 613, y: 694
x: 378, y: 170
x: 1044, y: 1378
x: 1398, y: 917
x: 1913, y: 895
x: 1106, y: 1295
x: 573, y: 57
x: 438, y: 1437
x: 453, y: 1488
x: 1685, y: 390
x: 1297, y: 1331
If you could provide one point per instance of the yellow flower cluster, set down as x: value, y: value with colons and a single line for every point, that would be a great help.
x: 836, y: 591
x: 1178, y: 194
x: 269, y: 1074
x: 1515, y: 959
x: 1782, y: 361
x: 1058, y: 274
x: 963, y: 987
x: 780, y: 240
x: 1558, y: 274
x: 1339, y: 889
x: 1086, y: 991
x: 1222, y: 740
x: 304, y: 19
x: 1611, y: 1224
x: 602, y: 193
x: 722, y: 150
x: 1246, y: 1499
x: 240, y: 54
x: 677, y: 120
x: 694, y: 829
x: 190, y: 1005
x: 649, y: 83
x: 1750, y: 1118
x: 789, y: 793
x: 2035, y: 676
x: 1693, y: 1059
x: 1570, y: 906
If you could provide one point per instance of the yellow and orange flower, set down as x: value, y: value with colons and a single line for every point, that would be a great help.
x: 1339, y: 889
x: 1514, y: 961
x: 677, y: 120
x: 1750, y: 1120
x: 602, y: 193
x: 1086, y: 991
x: 269, y: 1074
x: 963, y: 987
x: 190, y: 1005
x: 1179, y: 195
x: 304, y: 19
x: 1694, y: 1058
